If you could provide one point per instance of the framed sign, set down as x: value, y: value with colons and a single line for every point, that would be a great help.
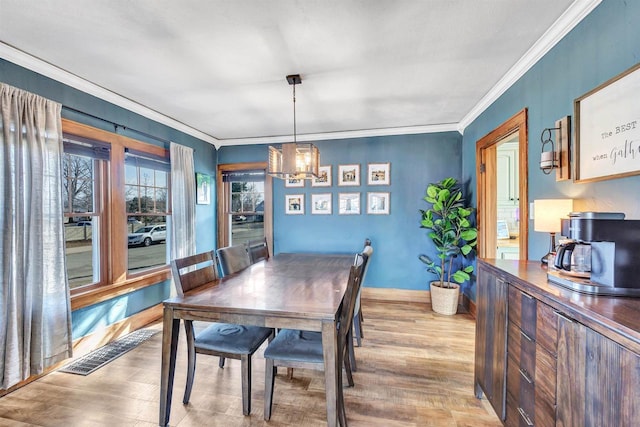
x: 293, y: 181
x: 324, y: 177
x: 349, y: 175
x: 294, y: 204
x: 608, y: 129
x: 378, y: 173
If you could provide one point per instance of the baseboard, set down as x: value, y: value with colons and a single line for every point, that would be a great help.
x: 469, y: 305
x: 97, y: 339
x: 396, y: 295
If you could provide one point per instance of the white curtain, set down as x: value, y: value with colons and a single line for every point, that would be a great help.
x: 183, y: 202
x: 35, y: 314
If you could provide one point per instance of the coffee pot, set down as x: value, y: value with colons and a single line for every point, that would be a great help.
x: 574, y: 257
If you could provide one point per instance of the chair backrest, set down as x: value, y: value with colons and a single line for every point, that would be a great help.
x: 349, y: 300
x: 258, y: 250
x: 368, y: 251
x: 233, y: 259
x: 193, y: 271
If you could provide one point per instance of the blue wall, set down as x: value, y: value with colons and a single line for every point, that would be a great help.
x: 604, y: 44
x: 416, y: 160
x: 89, y: 319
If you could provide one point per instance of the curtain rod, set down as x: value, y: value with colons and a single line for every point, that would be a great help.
x: 117, y: 125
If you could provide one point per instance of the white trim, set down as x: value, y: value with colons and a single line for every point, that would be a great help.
x: 37, y: 65
x: 407, y: 130
x: 578, y: 10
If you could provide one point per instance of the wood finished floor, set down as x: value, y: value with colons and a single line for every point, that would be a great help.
x: 415, y: 368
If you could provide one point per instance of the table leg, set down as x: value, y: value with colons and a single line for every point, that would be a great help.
x: 170, y: 331
x: 331, y: 370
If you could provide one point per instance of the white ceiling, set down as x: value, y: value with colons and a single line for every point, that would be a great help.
x: 216, y: 68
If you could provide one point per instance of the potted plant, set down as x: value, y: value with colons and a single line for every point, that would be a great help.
x: 448, y: 220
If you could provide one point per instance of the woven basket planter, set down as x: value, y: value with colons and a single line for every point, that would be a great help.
x: 444, y: 300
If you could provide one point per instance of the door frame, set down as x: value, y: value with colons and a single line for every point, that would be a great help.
x: 486, y: 185
x: 223, y: 218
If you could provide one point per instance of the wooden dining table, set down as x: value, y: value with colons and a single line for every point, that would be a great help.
x: 294, y: 291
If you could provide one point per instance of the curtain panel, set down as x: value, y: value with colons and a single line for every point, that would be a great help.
x: 35, y: 309
x: 183, y: 202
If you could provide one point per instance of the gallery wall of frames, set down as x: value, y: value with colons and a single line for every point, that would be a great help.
x: 347, y: 202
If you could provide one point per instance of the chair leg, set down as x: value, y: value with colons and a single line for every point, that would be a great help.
x: 269, y: 381
x: 357, y: 329
x: 245, y: 367
x: 221, y: 362
x: 348, y: 370
x: 290, y: 373
x: 351, y: 357
x: 342, y: 414
x: 191, y: 370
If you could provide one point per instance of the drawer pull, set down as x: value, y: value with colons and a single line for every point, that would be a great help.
x: 527, y: 337
x: 525, y: 417
x: 526, y: 295
x: 564, y: 317
x: 525, y: 375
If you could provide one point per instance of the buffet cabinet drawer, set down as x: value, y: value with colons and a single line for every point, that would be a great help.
x: 531, y: 361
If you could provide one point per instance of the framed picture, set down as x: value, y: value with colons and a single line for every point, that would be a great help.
x: 348, y: 203
x: 349, y: 175
x: 203, y: 189
x: 503, y: 229
x: 294, y: 204
x: 379, y: 174
x: 608, y: 129
x: 293, y: 181
x: 378, y: 203
x: 324, y: 177
x: 321, y: 204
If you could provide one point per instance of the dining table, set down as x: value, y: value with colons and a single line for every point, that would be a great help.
x: 289, y: 290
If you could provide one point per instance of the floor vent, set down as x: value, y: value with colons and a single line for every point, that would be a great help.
x: 100, y: 357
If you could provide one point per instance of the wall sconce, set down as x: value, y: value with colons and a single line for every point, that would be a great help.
x: 293, y: 159
x: 546, y: 218
x: 555, y: 155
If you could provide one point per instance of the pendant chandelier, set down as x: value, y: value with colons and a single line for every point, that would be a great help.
x: 294, y: 159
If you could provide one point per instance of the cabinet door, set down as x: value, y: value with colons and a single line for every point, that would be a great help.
x: 491, y: 339
x: 505, y: 163
x: 597, y: 382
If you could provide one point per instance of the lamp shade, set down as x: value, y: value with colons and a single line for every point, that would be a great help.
x: 548, y: 212
x: 300, y: 160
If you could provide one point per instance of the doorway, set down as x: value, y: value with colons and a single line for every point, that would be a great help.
x: 502, y: 188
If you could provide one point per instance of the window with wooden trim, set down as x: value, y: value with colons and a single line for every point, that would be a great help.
x: 117, y: 215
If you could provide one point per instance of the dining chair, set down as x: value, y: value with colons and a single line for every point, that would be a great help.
x: 357, y: 319
x: 233, y: 259
x: 303, y: 349
x: 258, y: 250
x: 218, y: 339
x: 357, y: 314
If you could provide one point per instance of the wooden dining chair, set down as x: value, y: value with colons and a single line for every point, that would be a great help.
x: 258, y: 250
x: 303, y: 349
x: 357, y: 319
x: 218, y: 339
x: 357, y: 314
x: 233, y: 259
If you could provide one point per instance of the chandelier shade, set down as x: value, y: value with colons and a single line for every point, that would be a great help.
x: 293, y: 159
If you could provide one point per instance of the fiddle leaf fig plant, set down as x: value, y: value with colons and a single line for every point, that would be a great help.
x: 450, y: 229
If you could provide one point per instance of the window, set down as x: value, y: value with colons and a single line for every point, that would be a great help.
x: 83, y: 164
x: 244, y: 205
x: 247, y: 205
x: 146, y: 192
x: 116, y: 210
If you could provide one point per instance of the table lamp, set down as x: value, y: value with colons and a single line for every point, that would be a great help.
x: 547, y: 215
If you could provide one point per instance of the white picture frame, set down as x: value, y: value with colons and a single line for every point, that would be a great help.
x: 293, y: 182
x: 349, y: 175
x: 502, y: 229
x: 348, y: 203
x: 324, y: 177
x: 294, y: 204
x: 379, y: 174
x: 378, y: 203
x: 321, y: 204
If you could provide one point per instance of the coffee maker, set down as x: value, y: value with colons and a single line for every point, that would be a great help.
x: 602, y: 255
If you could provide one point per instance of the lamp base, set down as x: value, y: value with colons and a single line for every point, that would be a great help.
x: 548, y: 258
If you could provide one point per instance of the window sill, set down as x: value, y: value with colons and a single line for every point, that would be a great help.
x: 104, y: 293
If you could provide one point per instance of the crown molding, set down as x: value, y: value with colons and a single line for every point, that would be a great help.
x: 575, y: 13
x: 310, y: 137
x: 39, y: 66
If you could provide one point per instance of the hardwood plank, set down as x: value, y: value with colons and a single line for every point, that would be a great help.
x: 415, y: 368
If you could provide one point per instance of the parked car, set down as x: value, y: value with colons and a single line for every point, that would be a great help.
x: 147, y: 235
x: 84, y: 224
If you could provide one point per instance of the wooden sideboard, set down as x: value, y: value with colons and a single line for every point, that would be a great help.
x: 549, y: 356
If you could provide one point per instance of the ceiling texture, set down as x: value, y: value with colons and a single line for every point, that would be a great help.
x: 216, y: 69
